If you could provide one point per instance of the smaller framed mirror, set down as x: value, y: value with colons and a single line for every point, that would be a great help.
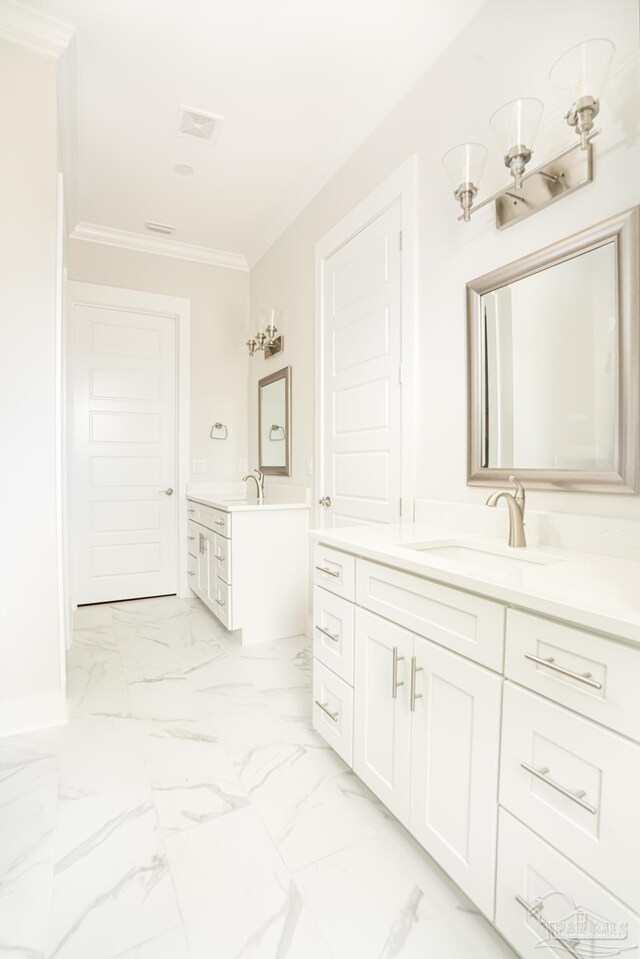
x: 274, y: 423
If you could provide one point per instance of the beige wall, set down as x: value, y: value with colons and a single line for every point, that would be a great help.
x: 30, y: 642
x: 450, y: 104
x: 219, y: 358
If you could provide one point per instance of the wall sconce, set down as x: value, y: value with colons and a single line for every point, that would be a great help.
x: 268, y: 338
x: 579, y: 75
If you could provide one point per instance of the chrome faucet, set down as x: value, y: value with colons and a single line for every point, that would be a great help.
x: 515, y: 505
x: 259, y: 481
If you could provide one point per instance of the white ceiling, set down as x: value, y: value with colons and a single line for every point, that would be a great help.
x: 299, y: 84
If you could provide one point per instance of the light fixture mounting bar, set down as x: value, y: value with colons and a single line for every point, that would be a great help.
x: 551, y: 181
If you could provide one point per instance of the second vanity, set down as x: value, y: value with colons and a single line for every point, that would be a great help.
x: 244, y: 563
x: 487, y: 696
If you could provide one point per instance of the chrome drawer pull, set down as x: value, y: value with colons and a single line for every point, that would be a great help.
x: 325, y: 632
x: 414, y: 695
x: 190, y: 509
x: 219, y: 557
x: 325, y: 709
x: 191, y: 537
x: 551, y: 664
x: 543, y: 775
x: 536, y: 912
x: 325, y: 569
x: 220, y: 602
x: 191, y: 572
x: 219, y: 522
x: 394, y: 675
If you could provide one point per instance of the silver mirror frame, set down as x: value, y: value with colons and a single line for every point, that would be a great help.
x: 624, y: 230
x: 283, y: 374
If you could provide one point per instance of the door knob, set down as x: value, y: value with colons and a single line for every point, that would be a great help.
x: 167, y: 492
x: 325, y: 501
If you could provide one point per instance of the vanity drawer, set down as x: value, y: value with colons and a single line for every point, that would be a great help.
x: 463, y: 622
x: 214, y: 519
x: 532, y: 872
x: 335, y: 571
x: 595, y: 825
x: 192, y: 538
x: 221, y: 557
x: 586, y: 672
x: 333, y: 632
x: 220, y: 600
x: 333, y: 710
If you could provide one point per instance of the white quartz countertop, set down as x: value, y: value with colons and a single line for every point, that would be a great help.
x: 236, y: 504
x: 599, y: 592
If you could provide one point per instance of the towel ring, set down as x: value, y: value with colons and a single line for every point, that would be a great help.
x: 218, y: 428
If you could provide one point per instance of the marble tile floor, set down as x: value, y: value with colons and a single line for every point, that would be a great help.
x: 188, y: 810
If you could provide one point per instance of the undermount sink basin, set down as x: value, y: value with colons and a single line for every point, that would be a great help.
x: 484, y: 557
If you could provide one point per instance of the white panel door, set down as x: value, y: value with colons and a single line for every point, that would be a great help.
x: 361, y: 356
x: 382, y: 720
x: 123, y: 449
x: 455, y: 751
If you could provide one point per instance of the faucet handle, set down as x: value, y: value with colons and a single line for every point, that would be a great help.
x: 520, y: 496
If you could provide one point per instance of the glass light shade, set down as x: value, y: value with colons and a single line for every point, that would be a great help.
x: 516, y: 123
x: 582, y: 71
x: 273, y: 319
x: 464, y: 165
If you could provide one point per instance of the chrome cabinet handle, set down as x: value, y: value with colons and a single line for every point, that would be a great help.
x: 220, y: 602
x: 325, y: 632
x: 325, y: 501
x: 191, y: 509
x: 191, y: 537
x: 550, y: 663
x: 394, y: 673
x: 219, y: 557
x: 325, y: 709
x: 167, y: 492
x: 191, y: 572
x: 219, y: 522
x: 536, y: 912
x: 200, y: 543
x: 414, y: 695
x: 329, y: 572
x: 577, y: 797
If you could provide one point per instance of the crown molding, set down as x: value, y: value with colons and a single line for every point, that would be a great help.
x: 30, y: 28
x: 109, y: 236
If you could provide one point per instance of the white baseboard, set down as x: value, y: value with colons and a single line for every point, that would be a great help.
x: 25, y: 714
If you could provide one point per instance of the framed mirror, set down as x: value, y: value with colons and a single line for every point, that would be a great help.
x: 553, y: 365
x: 274, y: 423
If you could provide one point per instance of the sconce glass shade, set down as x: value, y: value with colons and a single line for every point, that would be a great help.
x: 273, y: 322
x: 464, y: 165
x: 516, y: 123
x: 583, y: 70
x: 515, y: 126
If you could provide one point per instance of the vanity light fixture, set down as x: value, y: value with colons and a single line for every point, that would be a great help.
x: 579, y: 75
x: 267, y: 338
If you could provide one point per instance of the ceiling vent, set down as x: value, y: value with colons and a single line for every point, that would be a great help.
x: 199, y: 125
x: 160, y: 228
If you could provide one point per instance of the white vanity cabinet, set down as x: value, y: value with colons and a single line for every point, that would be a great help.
x: 507, y: 742
x: 248, y: 566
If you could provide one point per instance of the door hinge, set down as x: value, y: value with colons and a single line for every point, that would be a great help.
x: 401, y: 241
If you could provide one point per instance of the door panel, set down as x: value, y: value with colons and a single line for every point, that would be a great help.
x: 382, y: 723
x: 361, y: 340
x: 455, y: 749
x: 123, y: 448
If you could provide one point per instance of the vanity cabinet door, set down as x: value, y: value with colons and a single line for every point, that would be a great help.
x: 455, y: 747
x: 382, y: 720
